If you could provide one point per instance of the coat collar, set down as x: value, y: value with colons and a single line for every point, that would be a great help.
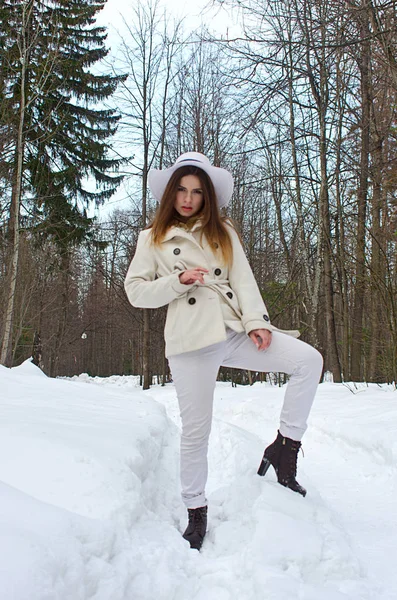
x: 180, y: 231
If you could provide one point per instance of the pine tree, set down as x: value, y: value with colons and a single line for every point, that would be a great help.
x: 48, y: 51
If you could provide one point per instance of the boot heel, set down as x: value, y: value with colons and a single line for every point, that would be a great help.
x: 263, y: 467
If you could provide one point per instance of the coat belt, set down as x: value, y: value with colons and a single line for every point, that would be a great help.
x: 212, y: 284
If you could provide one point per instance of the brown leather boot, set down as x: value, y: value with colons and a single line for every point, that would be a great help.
x: 197, y: 526
x: 282, y: 454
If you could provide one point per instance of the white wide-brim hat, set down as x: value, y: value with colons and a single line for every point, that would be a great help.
x: 221, y: 179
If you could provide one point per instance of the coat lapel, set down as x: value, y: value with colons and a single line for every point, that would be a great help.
x: 175, y: 231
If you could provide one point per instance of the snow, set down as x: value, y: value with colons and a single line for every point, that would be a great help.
x: 90, y: 505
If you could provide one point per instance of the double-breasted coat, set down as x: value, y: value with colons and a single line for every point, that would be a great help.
x: 197, y: 313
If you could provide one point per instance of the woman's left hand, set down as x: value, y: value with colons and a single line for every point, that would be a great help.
x: 262, y: 338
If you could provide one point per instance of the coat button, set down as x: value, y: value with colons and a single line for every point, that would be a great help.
x: 192, y: 300
x: 217, y: 271
x: 229, y: 294
x: 266, y: 318
x: 177, y: 250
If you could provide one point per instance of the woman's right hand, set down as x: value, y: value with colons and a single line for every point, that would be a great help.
x: 192, y: 275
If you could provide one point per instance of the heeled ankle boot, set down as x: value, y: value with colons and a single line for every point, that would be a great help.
x: 282, y: 454
x: 197, y: 526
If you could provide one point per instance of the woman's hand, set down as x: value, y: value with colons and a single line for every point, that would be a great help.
x: 262, y: 338
x: 193, y: 275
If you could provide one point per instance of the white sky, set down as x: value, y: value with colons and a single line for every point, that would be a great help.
x: 218, y: 20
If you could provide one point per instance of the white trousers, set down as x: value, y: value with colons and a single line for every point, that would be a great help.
x: 194, y: 374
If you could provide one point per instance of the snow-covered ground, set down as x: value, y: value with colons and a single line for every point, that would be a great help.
x: 90, y: 505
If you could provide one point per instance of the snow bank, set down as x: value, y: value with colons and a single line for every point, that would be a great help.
x: 68, y: 444
x: 76, y: 469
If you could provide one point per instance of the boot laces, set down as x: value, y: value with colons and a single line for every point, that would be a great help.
x: 292, y: 457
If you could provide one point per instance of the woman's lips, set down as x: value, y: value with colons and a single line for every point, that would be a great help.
x: 187, y: 207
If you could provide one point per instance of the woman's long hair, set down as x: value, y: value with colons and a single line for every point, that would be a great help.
x: 213, y: 224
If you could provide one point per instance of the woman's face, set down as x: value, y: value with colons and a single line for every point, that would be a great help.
x: 189, y: 196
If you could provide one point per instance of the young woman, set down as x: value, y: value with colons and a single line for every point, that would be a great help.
x: 192, y: 259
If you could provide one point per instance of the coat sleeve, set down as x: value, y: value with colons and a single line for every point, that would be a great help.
x: 242, y: 282
x: 142, y: 287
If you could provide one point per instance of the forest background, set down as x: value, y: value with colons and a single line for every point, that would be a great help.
x: 299, y: 104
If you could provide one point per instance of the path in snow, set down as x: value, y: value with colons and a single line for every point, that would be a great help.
x: 343, y: 534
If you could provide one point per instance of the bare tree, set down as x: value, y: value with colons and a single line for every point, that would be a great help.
x: 148, y: 51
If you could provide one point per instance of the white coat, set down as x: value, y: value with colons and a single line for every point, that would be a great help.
x: 197, y: 314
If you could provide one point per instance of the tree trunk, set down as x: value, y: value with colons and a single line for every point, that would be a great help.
x: 340, y: 235
x: 63, y: 317
x: 146, y: 350
x: 310, y: 291
x: 37, y: 351
x: 6, y: 347
x: 377, y: 274
x: 359, y: 290
x: 165, y: 369
x: 331, y: 350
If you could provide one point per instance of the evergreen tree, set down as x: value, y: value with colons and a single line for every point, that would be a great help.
x: 58, y: 141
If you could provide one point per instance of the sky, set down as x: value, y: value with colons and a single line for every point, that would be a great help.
x: 219, y: 21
